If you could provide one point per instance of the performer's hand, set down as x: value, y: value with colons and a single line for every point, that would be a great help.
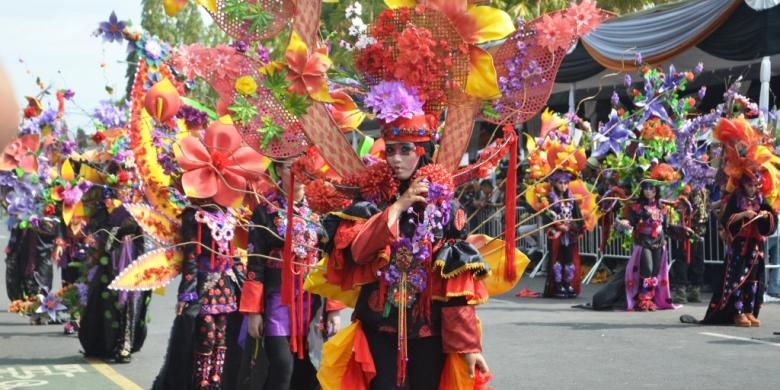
x: 475, y: 360
x: 334, y: 322
x: 255, y: 327
x: 415, y: 193
x: 89, y: 240
x: 748, y: 214
x: 180, y: 307
x: 412, y: 195
x: 763, y: 214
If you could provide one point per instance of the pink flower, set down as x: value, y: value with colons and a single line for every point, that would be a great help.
x: 586, y: 15
x: 554, y: 32
x: 188, y: 59
x: 219, y: 167
x: 21, y: 153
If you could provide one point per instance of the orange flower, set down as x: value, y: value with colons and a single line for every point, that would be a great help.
x: 656, y: 129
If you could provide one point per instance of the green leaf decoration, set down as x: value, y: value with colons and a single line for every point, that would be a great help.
x: 269, y: 131
x: 243, y: 111
x: 258, y: 20
x: 236, y: 9
x: 297, y: 104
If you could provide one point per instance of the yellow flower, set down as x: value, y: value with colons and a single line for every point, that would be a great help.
x: 246, y: 85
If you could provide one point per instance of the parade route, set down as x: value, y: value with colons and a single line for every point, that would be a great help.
x: 529, y: 344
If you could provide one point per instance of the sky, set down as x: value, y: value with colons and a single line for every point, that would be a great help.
x: 54, y: 39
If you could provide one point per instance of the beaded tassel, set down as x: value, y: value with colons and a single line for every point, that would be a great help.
x: 402, y: 350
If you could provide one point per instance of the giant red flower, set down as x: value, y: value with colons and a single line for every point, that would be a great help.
x: 219, y: 166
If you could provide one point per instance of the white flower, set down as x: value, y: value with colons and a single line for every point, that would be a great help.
x: 353, y: 31
x: 364, y: 41
x: 355, y: 9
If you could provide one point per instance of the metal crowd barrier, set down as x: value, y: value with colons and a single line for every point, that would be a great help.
x: 713, y: 248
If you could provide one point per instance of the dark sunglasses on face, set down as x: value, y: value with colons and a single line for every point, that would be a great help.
x: 401, y: 149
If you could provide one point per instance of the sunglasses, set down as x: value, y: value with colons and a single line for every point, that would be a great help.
x: 400, y: 149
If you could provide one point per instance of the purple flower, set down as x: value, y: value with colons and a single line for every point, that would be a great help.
x: 615, y: 99
x: 627, y: 80
x: 109, y: 115
x: 263, y: 55
x: 72, y: 195
x: 612, y: 135
x: 112, y: 29
x: 68, y: 94
x: 638, y: 59
x: 702, y: 92
x: 67, y: 147
x: 83, y: 291
x: 698, y: 69
x: 50, y: 304
x: 47, y: 118
x: 391, y: 100
x: 240, y: 46
x: 192, y: 116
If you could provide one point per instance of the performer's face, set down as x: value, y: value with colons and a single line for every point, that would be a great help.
x: 283, y: 170
x: 561, y: 185
x: 649, y: 192
x: 750, y: 188
x: 402, y: 158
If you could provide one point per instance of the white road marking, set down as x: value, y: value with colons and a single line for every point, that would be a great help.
x: 725, y: 336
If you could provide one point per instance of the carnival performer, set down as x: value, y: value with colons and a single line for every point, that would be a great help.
x: 28, y: 262
x: 275, y: 329
x: 113, y: 324
x: 207, y: 321
x: 647, y: 272
x: 565, y: 215
x: 419, y: 279
x: 687, y: 272
x: 747, y: 219
x: 566, y: 204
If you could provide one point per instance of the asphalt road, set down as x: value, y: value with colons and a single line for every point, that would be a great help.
x: 529, y: 344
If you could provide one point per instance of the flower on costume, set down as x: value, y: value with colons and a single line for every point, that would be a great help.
x: 112, y: 29
x: 586, y: 15
x: 21, y: 154
x: 218, y: 167
x: 554, y: 32
x: 345, y: 112
x: 50, y: 305
x: 152, y: 49
x: 246, y: 85
x: 475, y: 25
x: 306, y: 71
x: 391, y: 100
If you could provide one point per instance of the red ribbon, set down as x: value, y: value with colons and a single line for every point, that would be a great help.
x: 510, y: 273
x: 288, y: 277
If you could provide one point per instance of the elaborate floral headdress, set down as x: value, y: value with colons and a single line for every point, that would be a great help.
x: 748, y: 157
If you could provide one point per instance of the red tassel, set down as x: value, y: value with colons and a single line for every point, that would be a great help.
x: 288, y: 277
x: 198, y: 248
x: 300, y: 319
x: 510, y: 273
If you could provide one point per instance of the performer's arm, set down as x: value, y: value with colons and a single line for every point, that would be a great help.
x: 374, y: 236
x: 260, y: 243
